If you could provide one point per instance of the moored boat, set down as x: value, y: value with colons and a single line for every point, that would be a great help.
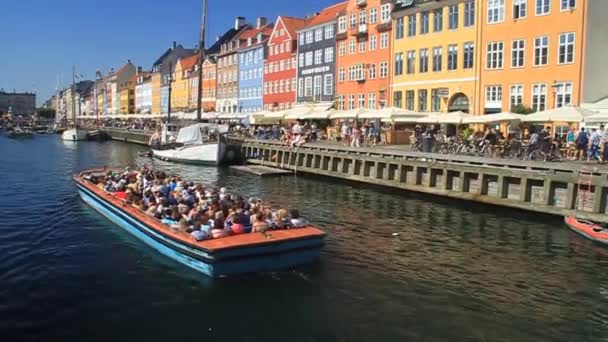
x: 590, y: 230
x: 237, y: 254
x: 74, y: 134
x: 20, y: 133
x: 197, y: 144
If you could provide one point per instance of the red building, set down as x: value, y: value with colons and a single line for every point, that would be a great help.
x: 281, y: 65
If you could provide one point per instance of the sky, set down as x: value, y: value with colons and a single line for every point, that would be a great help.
x: 40, y: 40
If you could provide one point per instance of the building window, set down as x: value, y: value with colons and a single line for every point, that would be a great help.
x: 424, y: 22
x: 317, y: 86
x: 563, y: 94
x: 383, y: 69
x: 437, y: 58
x: 328, y: 83
x: 361, y: 101
x: 518, y: 48
x: 539, y: 97
x: 494, y: 93
x: 373, y: 15
x: 468, y: 55
x: 384, y: 40
x: 568, y: 4
x: 342, y: 75
x: 353, y: 20
x: 517, y: 95
x: 469, y: 13
x: 409, y: 99
x: 342, y: 24
x: 411, y: 25
x: 495, y: 55
x: 373, y: 43
x: 397, y: 99
x: 424, y: 60
x: 438, y: 20
x: 329, y: 55
x: 435, y: 101
x: 300, y: 87
x: 309, y: 37
x: 363, y: 17
x: 352, y: 45
x: 351, y: 101
x: 398, y: 64
x: 308, y: 86
x: 496, y: 11
x: 399, y: 28
x: 341, y: 102
x: 371, y: 100
x: 329, y: 31
x: 342, y: 48
x: 411, y: 61
x: 422, y: 98
x: 372, y: 71
x: 541, y: 51
x: 543, y: 7
x: 452, y: 57
x: 566, y: 48
x: 519, y: 9
x: 453, y: 17
x: 362, y: 45
x: 385, y: 13
x: 318, y: 56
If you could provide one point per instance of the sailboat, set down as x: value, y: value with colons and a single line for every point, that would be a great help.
x: 74, y: 134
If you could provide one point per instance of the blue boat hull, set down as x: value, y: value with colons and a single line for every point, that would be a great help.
x: 252, y: 259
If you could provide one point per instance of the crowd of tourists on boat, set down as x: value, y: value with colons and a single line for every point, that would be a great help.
x: 201, y: 211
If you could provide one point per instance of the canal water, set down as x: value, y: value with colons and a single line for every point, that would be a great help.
x: 396, y: 267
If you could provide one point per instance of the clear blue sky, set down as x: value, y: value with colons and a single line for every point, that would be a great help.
x: 40, y: 40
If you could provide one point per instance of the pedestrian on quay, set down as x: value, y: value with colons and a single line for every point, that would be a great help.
x: 582, y: 142
x: 355, y: 136
x: 344, y: 133
x: 604, y: 143
x: 594, y: 141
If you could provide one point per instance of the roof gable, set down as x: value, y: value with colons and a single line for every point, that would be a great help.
x: 326, y: 15
x: 290, y: 24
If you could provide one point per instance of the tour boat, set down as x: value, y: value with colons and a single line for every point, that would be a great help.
x: 246, y: 253
x: 193, y: 148
x: 20, y: 133
x: 74, y: 134
x: 590, y: 230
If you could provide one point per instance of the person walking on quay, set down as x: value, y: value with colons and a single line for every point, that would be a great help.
x: 604, y: 143
x: 344, y: 133
x: 594, y: 140
x: 355, y: 135
x: 582, y: 140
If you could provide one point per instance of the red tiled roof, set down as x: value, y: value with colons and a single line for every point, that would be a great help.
x: 189, y: 62
x: 292, y: 24
x: 327, y: 14
x: 266, y: 30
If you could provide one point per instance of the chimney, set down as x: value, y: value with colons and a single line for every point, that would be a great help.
x: 261, y: 22
x: 218, y: 38
x: 174, y: 45
x: 139, y: 70
x: 239, y: 22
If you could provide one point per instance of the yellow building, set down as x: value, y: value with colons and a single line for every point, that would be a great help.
x: 180, y: 93
x: 156, y: 84
x: 434, y: 59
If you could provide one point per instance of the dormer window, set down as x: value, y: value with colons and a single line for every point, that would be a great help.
x: 249, y: 41
x: 259, y: 37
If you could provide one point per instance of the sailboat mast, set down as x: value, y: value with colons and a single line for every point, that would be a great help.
x: 201, y: 60
x: 74, y: 95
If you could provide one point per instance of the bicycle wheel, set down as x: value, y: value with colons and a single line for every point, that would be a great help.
x: 537, y: 155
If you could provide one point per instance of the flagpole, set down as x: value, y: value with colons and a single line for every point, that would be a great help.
x: 201, y: 60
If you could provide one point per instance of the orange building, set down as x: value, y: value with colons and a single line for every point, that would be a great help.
x: 532, y: 54
x: 209, y: 84
x: 364, y: 54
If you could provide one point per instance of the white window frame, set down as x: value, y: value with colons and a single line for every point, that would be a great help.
x: 329, y: 55
x: 494, y: 93
x: 496, y: 11
x: 518, y: 91
x: 373, y: 15
x: 563, y: 91
x: 328, y: 84
x: 371, y: 101
x: 329, y: 31
x: 566, y: 44
x: 352, y: 46
x: 519, y: 7
x: 385, y: 13
x: 372, y: 71
x: 494, y: 50
x: 515, y: 51
x: 568, y: 5
x: 342, y: 48
x: 317, y: 86
x: 541, y: 48
x: 318, y: 57
x: 308, y: 87
x: 373, y: 42
x: 384, y: 69
x: 544, y: 4
x: 318, y: 34
x: 341, y: 75
x: 342, y: 24
x: 384, y: 40
x: 535, y: 93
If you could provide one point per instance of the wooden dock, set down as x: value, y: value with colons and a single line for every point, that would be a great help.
x: 261, y: 170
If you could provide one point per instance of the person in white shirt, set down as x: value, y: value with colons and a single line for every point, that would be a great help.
x: 344, y: 132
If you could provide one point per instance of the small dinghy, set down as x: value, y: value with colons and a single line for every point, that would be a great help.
x: 588, y: 229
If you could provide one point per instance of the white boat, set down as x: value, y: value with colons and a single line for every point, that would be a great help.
x: 198, y: 144
x: 74, y: 134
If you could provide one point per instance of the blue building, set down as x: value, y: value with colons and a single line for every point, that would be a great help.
x: 252, y: 55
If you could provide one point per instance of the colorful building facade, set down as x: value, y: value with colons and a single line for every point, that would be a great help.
x: 228, y: 70
x: 317, y: 57
x: 181, y: 88
x: 532, y: 54
x: 209, y: 84
x: 143, y: 93
x: 364, y: 54
x: 434, y: 59
x: 252, y: 54
x: 280, y: 69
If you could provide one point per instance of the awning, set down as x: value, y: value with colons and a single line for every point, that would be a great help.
x: 454, y: 118
x: 562, y: 114
x: 597, y: 118
x: 493, y: 118
x: 232, y: 116
x: 342, y: 114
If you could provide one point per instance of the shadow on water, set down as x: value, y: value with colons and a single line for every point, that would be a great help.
x: 398, y: 266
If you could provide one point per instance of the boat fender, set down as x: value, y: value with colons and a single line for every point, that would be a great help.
x: 218, y: 233
x: 199, y: 235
